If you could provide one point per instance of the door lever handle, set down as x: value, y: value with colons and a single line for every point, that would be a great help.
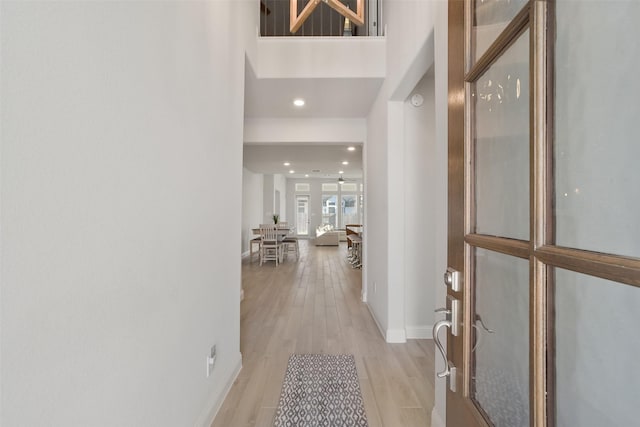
x: 453, y: 314
x: 436, y: 339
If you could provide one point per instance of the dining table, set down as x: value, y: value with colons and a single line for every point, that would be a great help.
x: 280, y: 231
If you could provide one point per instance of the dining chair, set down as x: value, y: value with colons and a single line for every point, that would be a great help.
x: 254, y: 241
x: 270, y: 246
x: 290, y: 243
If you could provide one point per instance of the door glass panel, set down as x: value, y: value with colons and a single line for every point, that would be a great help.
x: 501, y: 358
x: 596, y: 126
x: 597, y: 347
x: 490, y: 18
x: 329, y: 210
x: 501, y: 100
x: 302, y: 215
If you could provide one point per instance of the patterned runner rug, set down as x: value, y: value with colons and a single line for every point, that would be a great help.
x: 321, y: 390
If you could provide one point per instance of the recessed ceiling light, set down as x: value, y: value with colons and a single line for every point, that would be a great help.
x: 287, y: 163
x: 292, y: 171
x: 341, y: 172
x: 298, y: 102
x: 345, y: 163
x: 306, y: 175
x: 351, y: 148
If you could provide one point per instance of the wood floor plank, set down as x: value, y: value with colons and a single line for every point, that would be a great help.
x: 313, y: 306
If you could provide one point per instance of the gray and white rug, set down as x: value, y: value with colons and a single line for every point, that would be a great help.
x: 321, y: 390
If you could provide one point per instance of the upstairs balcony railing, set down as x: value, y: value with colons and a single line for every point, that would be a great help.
x: 323, y: 21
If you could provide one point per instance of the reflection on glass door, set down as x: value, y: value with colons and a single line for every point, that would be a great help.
x: 595, y: 252
x: 500, y: 147
x: 302, y: 215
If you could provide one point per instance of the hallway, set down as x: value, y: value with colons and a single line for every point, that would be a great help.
x: 313, y: 306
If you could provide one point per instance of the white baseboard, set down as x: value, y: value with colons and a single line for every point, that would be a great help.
x: 436, y: 419
x: 214, y: 405
x: 364, y: 296
x: 245, y: 254
x: 390, y: 335
x: 420, y: 332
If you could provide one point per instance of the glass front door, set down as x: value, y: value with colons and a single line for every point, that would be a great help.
x: 543, y: 206
x: 302, y: 215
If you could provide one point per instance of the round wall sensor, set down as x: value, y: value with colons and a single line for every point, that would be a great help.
x: 417, y: 100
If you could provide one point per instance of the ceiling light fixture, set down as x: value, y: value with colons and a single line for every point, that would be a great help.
x: 351, y: 148
x: 287, y: 163
x: 298, y: 102
x: 341, y: 172
x: 341, y: 180
x: 345, y: 163
x: 292, y: 171
x: 306, y: 175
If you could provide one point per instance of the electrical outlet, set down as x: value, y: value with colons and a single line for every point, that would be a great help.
x: 211, y: 360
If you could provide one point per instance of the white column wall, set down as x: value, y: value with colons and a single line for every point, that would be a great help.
x: 420, y: 187
x: 396, y: 205
x: 410, y: 41
x: 375, y: 207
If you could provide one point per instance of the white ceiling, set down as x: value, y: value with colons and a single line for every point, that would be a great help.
x: 304, y: 159
x: 324, y: 98
x: 340, y: 97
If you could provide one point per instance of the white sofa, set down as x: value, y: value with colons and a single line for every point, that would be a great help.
x: 327, y: 236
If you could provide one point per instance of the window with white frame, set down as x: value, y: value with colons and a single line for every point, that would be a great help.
x: 349, y: 210
x: 330, y: 209
x: 303, y: 187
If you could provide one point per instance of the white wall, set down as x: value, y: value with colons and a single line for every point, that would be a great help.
x: 252, y: 205
x: 280, y: 184
x: 301, y: 131
x: 420, y: 186
x: 271, y: 184
x: 320, y: 57
x: 268, y: 198
x: 119, y: 122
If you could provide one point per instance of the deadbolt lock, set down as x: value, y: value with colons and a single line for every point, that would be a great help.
x: 452, y: 279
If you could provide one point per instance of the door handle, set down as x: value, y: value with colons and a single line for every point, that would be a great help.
x: 436, y: 339
x: 450, y: 370
x: 452, y: 321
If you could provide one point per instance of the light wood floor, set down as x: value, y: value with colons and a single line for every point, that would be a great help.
x: 313, y: 306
